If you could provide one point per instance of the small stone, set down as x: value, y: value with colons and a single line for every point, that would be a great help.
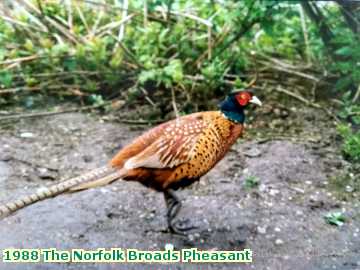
x: 44, y: 173
x: 274, y: 192
x: 277, y: 111
x: 349, y: 189
x: 279, y: 242
x: 253, y: 152
x: 284, y: 113
x: 277, y: 229
x: 261, y: 230
x: 27, y: 135
x: 5, y: 157
x: 262, y: 187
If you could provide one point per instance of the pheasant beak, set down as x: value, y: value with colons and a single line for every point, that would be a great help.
x: 255, y: 100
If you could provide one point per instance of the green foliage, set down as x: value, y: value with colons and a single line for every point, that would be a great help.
x: 96, y: 99
x: 169, y: 75
x: 201, y: 49
x: 350, y: 109
x: 335, y: 218
x: 251, y: 181
x: 351, y: 145
x: 6, y: 78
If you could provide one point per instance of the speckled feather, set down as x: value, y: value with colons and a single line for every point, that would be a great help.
x: 179, y: 152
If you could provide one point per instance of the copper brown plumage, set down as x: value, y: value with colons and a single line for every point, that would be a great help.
x: 187, y: 147
x: 172, y: 155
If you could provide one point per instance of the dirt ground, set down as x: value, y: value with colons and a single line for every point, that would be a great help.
x: 281, y: 219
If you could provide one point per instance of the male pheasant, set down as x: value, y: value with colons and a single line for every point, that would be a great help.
x: 172, y: 155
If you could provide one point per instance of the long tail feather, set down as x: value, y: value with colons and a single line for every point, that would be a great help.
x: 97, y: 177
x: 98, y: 182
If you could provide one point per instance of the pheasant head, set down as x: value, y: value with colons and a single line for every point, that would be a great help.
x: 235, y: 103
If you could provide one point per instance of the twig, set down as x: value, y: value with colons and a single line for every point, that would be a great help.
x: 46, y: 85
x: 81, y: 15
x: 123, y: 16
x: 201, y: 78
x: 96, y: 24
x: 50, y: 21
x: 18, y: 89
x: 261, y: 140
x: 44, y: 114
x: 357, y: 95
x: 148, y: 99
x: 193, y: 17
x: 289, y: 71
x: 145, y: 13
x: 128, y: 52
x: 209, y: 43
x: 305, y: 32
x: 307, y: 102
x: 214, y: 44
x: 70, y: 15
x: 282, y: 63
x: 62, y: 30
x: 22, y: 24
x: 20, y: 59
x: 100, y: 31
x: 174, y: 103
x: 140, y: 122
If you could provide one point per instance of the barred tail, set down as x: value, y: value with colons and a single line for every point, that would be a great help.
x: 105, y: 174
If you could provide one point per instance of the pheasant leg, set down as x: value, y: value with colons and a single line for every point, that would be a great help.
x: 174, y: 205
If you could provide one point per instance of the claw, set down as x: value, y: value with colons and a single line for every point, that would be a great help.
x: 174, y: 204
x: 181, y: 226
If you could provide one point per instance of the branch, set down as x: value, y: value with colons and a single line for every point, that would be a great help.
x: 43, y: 114
x: 307, y: 102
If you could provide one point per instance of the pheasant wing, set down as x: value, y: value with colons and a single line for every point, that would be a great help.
x: 174, y: 147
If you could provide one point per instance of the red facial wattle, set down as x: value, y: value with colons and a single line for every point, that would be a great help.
x: 243, y: 98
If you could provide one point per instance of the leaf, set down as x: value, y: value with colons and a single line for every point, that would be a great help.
x: 335, y: 218
x: 29, y: 45
x: 2, y: 54
x: 251, y: 182
x: 174, y: 70
x: 343, y: 83
x: 6, y: 78
x: 90, y: 86
x: 117, y: 58
x: 70, y: 64
x: 96, y: 99
x: 146, y: 75
x: 344, y: 51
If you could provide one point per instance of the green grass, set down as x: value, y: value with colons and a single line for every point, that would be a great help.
x: 251, y: 182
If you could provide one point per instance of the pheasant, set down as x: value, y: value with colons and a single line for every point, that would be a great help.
x: 169, y: 156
